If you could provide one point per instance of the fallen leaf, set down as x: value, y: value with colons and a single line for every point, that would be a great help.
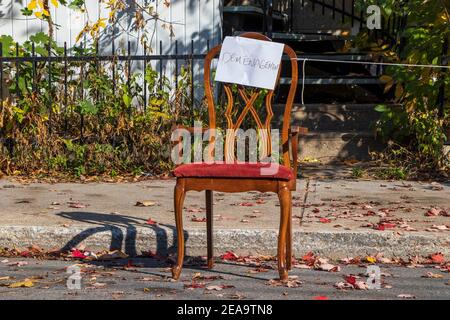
x: 151, y: 222
x: 432, y: 212
x: 371, y: 259
x: 437, y: 258
x: 320, y: 298
x: 324, y: 220
x: 219, y: 287
x: 78, y: 254
x: 27, y: 283
x: 116, y: 254
x: 230, y: 255
x: 406, y: 296
x: 197, y: 219
x: 145, y: 203
x: 246, y: 204
x: 432, y: 275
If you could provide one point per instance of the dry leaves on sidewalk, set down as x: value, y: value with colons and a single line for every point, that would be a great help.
x: 145, y: 203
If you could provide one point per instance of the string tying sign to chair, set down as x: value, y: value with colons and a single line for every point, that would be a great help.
x: 249, y: 62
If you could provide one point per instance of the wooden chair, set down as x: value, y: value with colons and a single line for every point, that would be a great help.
x: 243, y: 177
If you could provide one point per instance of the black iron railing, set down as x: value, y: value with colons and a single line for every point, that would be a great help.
x: 72, y: 68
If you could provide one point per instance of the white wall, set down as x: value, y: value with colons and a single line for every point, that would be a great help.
x: 199, y: 20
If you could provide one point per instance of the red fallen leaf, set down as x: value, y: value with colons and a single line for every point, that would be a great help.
x: 316, y: 210
x: 309, y: 258
x: 260, y: 201
x: 351, y: 279
x: 324, y: 220
x: 230, y: 255
x: 194, y: 285
x: 196, y: 219
x: 25, y: 254
x: 369, y: 213
x: 437, y: 258
x: 379, y: 227
x: 151, y: 222
x: 78, y: 254
x: 320, y: 298
x: 246, y: 204
x: 388, y: 225
x: 432, y: 212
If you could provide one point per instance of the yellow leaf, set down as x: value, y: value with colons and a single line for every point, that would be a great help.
x: 46, y: 13
x: 371, y: 259
x: 38, y: 14
x: 27, y: 283
x: 386, y: 78
x: 398, y: 91
x: 32, y: 5
x: 55, y: 3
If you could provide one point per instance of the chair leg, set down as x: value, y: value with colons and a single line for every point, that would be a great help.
x: 284, y: 195
x: 209, y: 227
x: 179, y: 194
x: 289, y: 240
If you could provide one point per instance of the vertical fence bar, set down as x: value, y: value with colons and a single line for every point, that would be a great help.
x: 113, y: 67
x: 50, y: 100
x: 192, y: 79
x: 129, y: 71
x: 291, y: 16
x: 82, y: 95
x: 269, y: 17
x: 33, y: 72
x: 334, y: 9
x: 17, y: 65
x: 303, y: 3
x: 160, y: 65
x: 97, y: 68
x: 343, y: 11
x: 176, y: 66
x: 353, y: 13
x: 1, y: 74
x: 66, y: 123
x: 323, y: 7
x: 361, y: 17
x: 313, y: 6
x: 145, y: 77
x: 441, y: 93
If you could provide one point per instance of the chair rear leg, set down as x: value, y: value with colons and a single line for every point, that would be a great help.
x: 179, y: 194
x: 284, y: 195
x: 209, y: 228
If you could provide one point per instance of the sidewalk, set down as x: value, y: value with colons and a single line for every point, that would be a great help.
x: 341, y: 218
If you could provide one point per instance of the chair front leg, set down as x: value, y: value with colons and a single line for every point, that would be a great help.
x: 179, y: 194
x: 289, y: 239
x: 284, y: 195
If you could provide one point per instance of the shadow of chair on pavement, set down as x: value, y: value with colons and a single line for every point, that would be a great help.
x: 116, y: 224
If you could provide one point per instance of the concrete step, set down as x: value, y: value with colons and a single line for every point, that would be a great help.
x: 331, y: 146
x: 332, y: 117
x: 337, y: 90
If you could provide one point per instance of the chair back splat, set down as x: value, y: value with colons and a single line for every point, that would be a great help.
x: 249, y: 98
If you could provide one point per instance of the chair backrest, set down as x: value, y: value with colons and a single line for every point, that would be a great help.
x: 249, y: 101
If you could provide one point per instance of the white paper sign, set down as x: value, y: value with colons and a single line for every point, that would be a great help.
x: 249, y: 62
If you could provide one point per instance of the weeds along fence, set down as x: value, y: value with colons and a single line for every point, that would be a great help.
x: 86, y: 111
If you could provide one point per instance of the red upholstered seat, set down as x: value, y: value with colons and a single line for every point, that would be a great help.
x: 258, y: 170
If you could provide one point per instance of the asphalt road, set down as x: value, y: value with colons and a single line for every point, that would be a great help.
x: 150, y: 279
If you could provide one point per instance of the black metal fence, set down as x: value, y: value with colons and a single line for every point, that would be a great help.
x: 19, y: 69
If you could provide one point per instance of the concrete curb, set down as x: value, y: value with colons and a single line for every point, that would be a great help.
x: 134, y: 240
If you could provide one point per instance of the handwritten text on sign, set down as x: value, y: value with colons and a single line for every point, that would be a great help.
x: 249, y: 62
